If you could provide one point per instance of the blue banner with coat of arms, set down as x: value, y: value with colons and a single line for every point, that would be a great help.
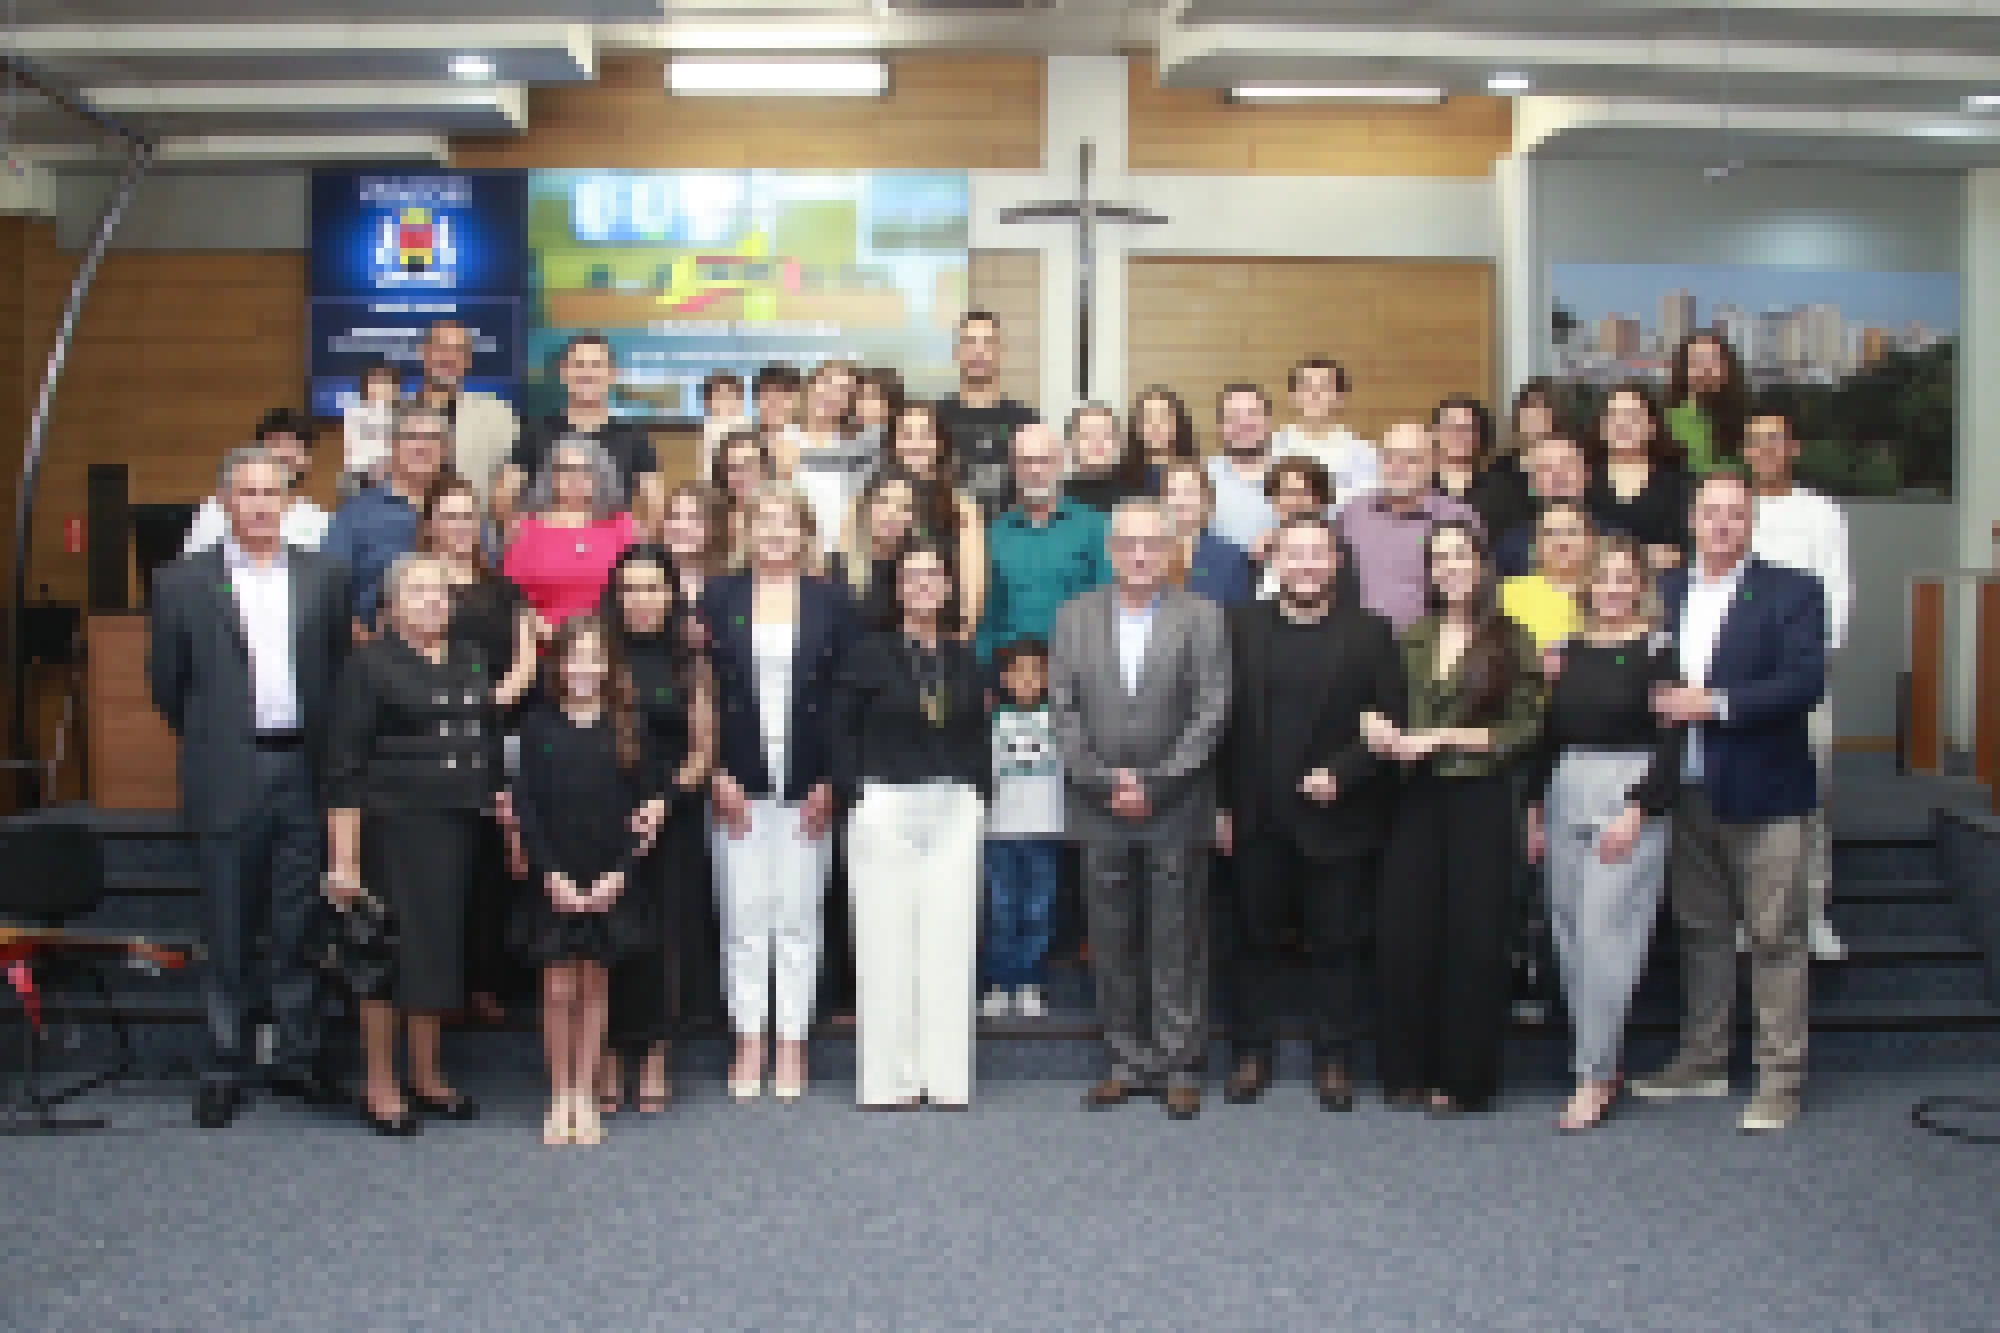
x: 395, y: 251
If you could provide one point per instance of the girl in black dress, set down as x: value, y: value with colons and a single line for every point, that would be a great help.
x: 588, y: 799
x: 412, y: 762
x: 1638, y: 478
x: 487, y: 611
x: 672, y: 692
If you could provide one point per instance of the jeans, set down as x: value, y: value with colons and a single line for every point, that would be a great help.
x: 1021, y: 879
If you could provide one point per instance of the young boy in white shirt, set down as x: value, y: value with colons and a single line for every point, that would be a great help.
x: 1024, y: 830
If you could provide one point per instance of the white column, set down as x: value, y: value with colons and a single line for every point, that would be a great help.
x: 1086, y: 99
x: 1523, y: 302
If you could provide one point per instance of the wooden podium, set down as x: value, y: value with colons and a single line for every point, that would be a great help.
x: 134, y: 758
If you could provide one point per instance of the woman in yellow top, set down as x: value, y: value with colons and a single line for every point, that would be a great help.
x: 1544, y: 603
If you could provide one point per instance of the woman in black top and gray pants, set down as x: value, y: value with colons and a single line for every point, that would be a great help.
x: 1605, y: 775
x: 412, y: 765
x: 909, y: 751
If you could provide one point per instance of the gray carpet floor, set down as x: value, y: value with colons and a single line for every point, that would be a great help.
x: 1025, y: 1214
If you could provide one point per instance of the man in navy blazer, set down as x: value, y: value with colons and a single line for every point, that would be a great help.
x: 1752, y: 642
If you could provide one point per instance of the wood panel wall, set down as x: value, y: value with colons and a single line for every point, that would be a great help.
x: 1173, y: 130
x: 1009, y: 283
x: 942, y: 111
x: 1409, y: 332
x: 176, y: 356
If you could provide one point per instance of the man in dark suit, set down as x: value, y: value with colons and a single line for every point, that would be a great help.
x: 246, y: 639
x: 1138, y: 692
x: 1305, y: 803
x: 1752, y: 642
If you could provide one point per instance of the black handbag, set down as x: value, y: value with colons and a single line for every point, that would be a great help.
x: 355, y: 945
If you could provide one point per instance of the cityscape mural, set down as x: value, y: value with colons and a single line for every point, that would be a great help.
x: 1866, y: 360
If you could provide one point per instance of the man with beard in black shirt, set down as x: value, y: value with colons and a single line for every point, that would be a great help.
x: 979, y: 421
x: 1304, y: 803
x: 587, y: 370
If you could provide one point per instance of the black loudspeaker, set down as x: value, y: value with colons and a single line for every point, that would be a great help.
x: 158, y: 533
x: 108, y: 522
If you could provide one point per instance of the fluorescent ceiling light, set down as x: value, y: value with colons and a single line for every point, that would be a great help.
x: 775, y: 38
x: 1509, y: 83
x: 848, y: 77
x: 471, y: 67
x: 1983, y: 101
x: 1278, y: 92
x: 1947, y: 131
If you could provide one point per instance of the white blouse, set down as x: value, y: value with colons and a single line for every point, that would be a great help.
x: 773, y: 644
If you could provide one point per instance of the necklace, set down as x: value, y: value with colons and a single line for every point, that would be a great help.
x: 928, y: 669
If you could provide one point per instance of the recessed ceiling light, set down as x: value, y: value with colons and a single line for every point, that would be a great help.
x: 471, y: 67
x: 1509, y: 83
x: 844, y: 77
x: 1276, y: 92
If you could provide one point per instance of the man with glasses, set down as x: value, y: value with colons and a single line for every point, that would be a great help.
x: 379, y: 523
x: 1139, y: 692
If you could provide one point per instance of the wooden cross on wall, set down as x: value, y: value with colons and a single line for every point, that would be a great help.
x: 1086, y: 212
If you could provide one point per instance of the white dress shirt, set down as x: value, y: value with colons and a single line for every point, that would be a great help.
x: 1806, y: 530
x: 264, y: 601
x: 1135, y: 629
x: 1351, y: 463
x: 1708, y: 603
x: 302, y: 524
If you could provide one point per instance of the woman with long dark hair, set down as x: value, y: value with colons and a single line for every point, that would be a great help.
x: 1471, y: 469
x: 743, y: 462
x: 1638, y: 485
x: 920, y: 446
x: 672, y: 692
x: 1160, y: 430
x: 911, y: 764
x: 1708, y: 400
x: 1475, y: 703
x: 884, y: 514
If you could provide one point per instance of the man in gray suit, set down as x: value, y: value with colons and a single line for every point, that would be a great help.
x: 1139, y: 689
x: 246, y: 639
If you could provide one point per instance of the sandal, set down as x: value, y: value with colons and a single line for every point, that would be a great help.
x: 557, y: 1129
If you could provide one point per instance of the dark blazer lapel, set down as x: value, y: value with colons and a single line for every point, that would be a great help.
x: 1736, y: 622
x: 304, y: 589
x: 1256, y: 668
x: 215, y: 583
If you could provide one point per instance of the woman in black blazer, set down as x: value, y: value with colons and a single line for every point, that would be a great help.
x: 779, y: 635
x: 911, y: 760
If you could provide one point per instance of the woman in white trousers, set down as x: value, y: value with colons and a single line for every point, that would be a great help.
x: 777, y: 637
x: 910, y: 750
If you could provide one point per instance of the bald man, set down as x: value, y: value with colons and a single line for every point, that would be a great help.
x: 1040, y: 553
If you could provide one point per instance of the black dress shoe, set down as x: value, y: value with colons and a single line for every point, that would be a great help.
x: 216, y: 1104
x: 459, y: 1107
x: 312, y: 1089
x: 395, y: 1127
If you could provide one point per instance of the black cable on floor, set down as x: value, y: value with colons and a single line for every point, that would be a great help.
x: 1923, y: 1116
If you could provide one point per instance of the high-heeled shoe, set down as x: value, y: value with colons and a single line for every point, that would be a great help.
x: 395, y: 1127
x: 588, y: 1130
x: 556, y: 1128
x: 1564, y: 1125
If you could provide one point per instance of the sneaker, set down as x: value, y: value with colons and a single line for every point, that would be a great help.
x: 1821, y: 941
x: 1680, y: 1080
x: 1028, y: 1002
x: 997, y: 1004
x: 1770, y: 1110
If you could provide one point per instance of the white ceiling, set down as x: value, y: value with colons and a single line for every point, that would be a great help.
x: 1868, y: 82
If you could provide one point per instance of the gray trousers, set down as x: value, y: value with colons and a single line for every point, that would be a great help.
x: 1754, y: 873
x: 1146, y: 906
x: 1601, y: 915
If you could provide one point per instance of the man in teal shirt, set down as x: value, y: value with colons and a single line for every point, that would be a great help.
x: 1042, y: 552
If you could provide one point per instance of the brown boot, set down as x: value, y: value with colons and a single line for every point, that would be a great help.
x: 1252, y: 1077
x: 1183, y: 1102
x: 1108, y: 1093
